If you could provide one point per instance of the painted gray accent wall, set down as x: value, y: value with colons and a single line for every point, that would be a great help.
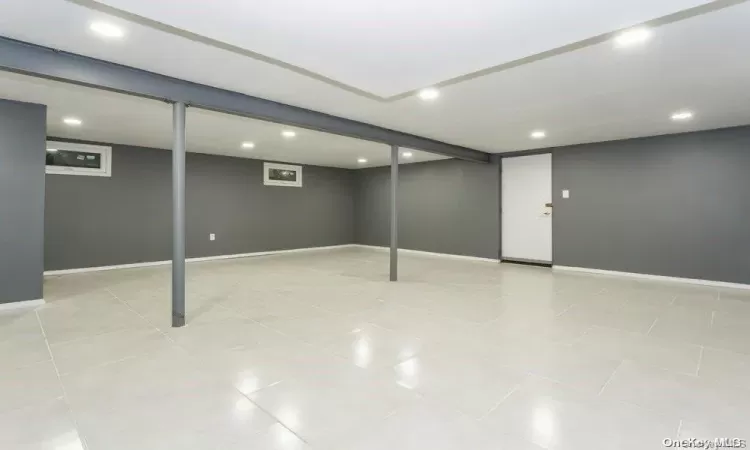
x: 23, y: 127
x: 674, y: 205
x: 447, y: 206
x: 98, y: 221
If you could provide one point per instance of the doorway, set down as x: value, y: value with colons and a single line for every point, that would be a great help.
x: 527, y: 209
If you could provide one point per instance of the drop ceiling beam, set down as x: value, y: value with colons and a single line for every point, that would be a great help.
x: 44, y: 62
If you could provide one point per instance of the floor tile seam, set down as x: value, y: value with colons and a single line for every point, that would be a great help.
x: 151, y: 324
x: 616, y: 402
x: 62, y: 385
x: 700, y: 360
x: 513, y: 390
x: 611, y: 376
x: 269, y: 414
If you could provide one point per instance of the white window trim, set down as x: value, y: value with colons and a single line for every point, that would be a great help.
x: 104, y: 151
x: 269, y: 182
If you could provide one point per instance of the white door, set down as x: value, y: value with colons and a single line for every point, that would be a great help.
x: 527, y: 208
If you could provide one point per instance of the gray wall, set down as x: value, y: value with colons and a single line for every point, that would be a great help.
x: 448, y: 206
x: 98, y: 221
x: 23, y: 128
x: 674, y: 205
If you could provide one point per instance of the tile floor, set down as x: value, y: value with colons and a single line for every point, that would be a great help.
x: 318, y: 351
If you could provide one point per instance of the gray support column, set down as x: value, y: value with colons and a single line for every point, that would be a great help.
x: 394, y: 213
x: 178, y: 215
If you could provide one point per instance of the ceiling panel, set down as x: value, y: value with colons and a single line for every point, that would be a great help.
x: 388, y: 48
x: 595, y: 93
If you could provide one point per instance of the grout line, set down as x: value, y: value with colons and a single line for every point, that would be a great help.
x: 565, y: 310
x: 127, y: 305
x: 713, y: 318
x: 500, y: 402
x: 59, y: 380
x: 610, y: 377
x: 674, y: 299
x: 679, y: 429
x: 700, y: 360
x: 652, y: 326
x: 268, y: 413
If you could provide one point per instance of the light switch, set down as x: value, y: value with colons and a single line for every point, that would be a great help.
x: 212, y: 237
x: 566, y: 193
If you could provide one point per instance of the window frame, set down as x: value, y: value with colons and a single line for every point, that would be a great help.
x: 105, y: 153
x: 267, y: 181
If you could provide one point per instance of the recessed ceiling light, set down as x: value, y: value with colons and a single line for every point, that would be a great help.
x: 682, y: 115
x: 289, y: 134
x: 362, y: 160
x: 107, y: 30
x: 632, y: 37
x: 429, y: 94
x: 72, y: 121
x: 538, y: 134
x: 406, y: 154
x: 248, y: 145
x: 52, y: 150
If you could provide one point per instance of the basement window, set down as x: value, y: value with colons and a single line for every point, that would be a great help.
x: 282, y: 175
x: 65, y: 158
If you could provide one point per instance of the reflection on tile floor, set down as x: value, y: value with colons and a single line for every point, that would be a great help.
x: 319, y: 351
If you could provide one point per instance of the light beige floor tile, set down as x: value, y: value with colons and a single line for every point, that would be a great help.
x: 729, y: 332
x: 681, y: 324
x: 635, y: 320
x: 66, y: 323
x: 373, y: 346
x: 83, y: 353
x: 276, y: 437
x: 556, y: 417
x: 470, y: 385
x: 647, y: 350
x: 571, y: 367
x: 23, y: 350
x: 332, y: 355
x: 142, y: 376
x: 725, y: 367
x: 735, y: 303
x: 212, y: 414
x: 419, y: 426
x: 316, y: 411
x: 226, y: 334
x: 19, y: 325
x: 53, y: 428
x: 678, y: 395
x: 315, y: 330
x: 28, y: 386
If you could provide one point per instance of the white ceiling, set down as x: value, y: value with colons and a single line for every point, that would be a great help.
x: 121, y: 119
x: 387, y: 48
x: 595, y: 93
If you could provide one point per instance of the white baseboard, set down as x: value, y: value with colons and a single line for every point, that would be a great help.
x: 721, y: 284
x: 21, y: 305
x: 200, y: 259
x: 424, y: 253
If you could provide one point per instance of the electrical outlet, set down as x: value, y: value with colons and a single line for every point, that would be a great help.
x: 565, y: 193
x: 212, y: 237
